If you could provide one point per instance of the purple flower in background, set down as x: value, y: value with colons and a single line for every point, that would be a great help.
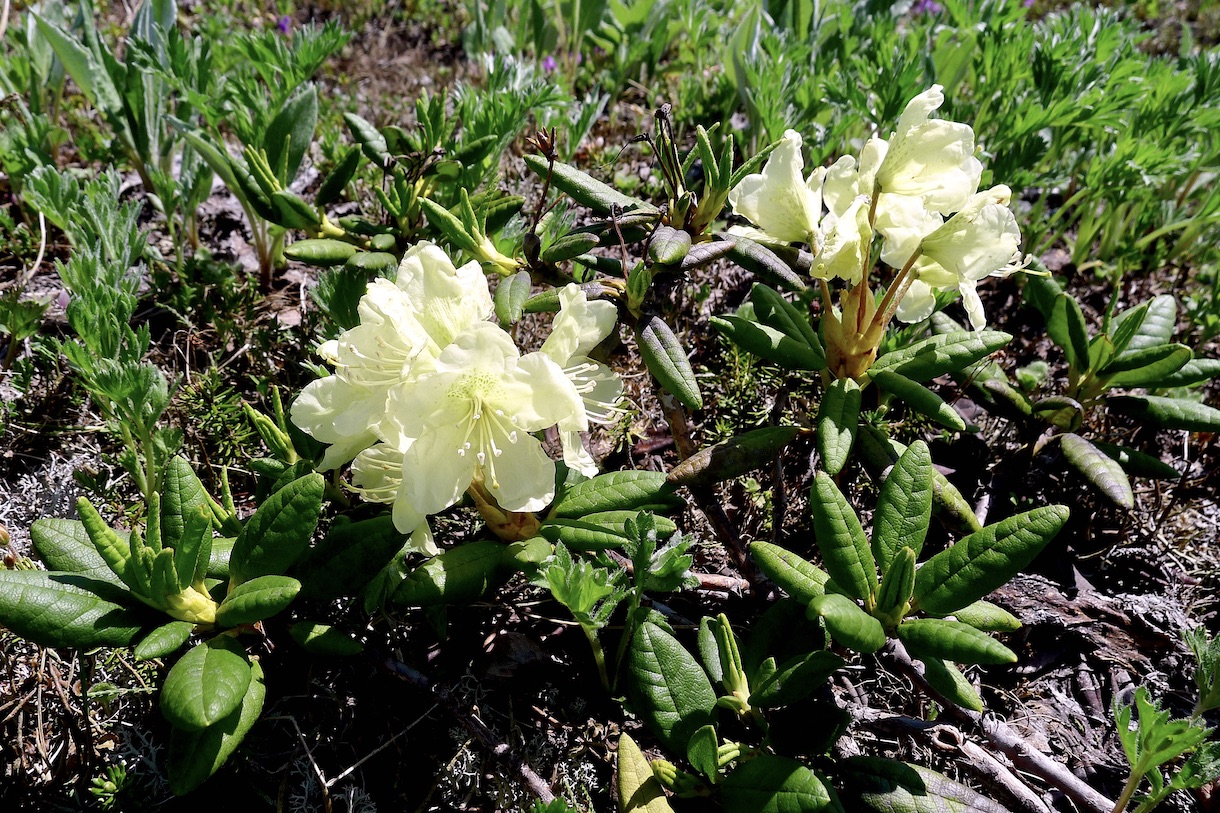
x: 1029, y: 3
x: 63, y: 299
x: 548, y: 64
x: 283, y: 24
x: 926, y: 7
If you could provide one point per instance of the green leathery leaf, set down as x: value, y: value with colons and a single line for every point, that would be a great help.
x: 897, y: 585
x: 773, y: 784
x: 670, y: 692
x: 617, y: 522
x: 196, y: 755
x: 886, y: 786
x: 882, y: 451
x: 194, y: 550
x: 458, y: 576
x: 1167, y: 413
x: 667, y: 361
x: 381, y: 245
x: 114, y: 550
x: 1061, y: 411
x: 1143, y: 368
x: 952, y: 641
x: 1138, y: 463
x: 979, y: 563
x: 774, y: 311
x: 583, y: 188
x: 733, y: 457
x: 840, y: 538
x: 1124, y: 326
x: 1101, y: 351
x: 65, y: 610
x: 341, y: 564
x: 701, y: 254
x: 206, y: 685
x: 668, y: 246
x: 795, y: 679
x: 709, y: 648
x: 768, y: 343
x: 339, y: 177
x: 257, y: 599
x: 323, y: 639
x: 1158, y: 324
x: 919, y: 398
x: 941, y: 354
x: 372, y: 142
x: 848, y: 623
x: 617, y: 491
x: 450, y: 226
x: 638, y: 789
x: 701, y: 752
x: 218, y: 561
x: 140, y: 565
x: 280, y: 530
x: 904, y: 506
x: 291, y: 132
x: 838, y: 420
x: 182, y: 496
x: 569, y: 247
x: 164, y: 640
x: 511, y: 293
x: 985, y: 616
x: 797, y: 577
x: 1098, y: 468
x: 527, y: 555
x: 947, y: 679
x: 1066, y: 327
x: 1195, y: 371
x: 371, y: 263
x: 578, y: 534
x: 164, y: 581
x: 292, y: 211
x: 763, y: 262
x: 323, y: 252
x: 64, y: 545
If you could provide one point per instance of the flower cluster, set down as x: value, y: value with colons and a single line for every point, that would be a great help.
x: 430, y: 399
x: 918, y: 190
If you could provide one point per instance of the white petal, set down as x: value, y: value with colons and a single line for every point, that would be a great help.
x: 422, y: 541
x: 973, y: 305
x: 973, y: 244
x: 318, y: 409
x: 843, y: 250
x: 842, y: 186
x: 523, y: 476
x: 575, y: 455
x: 545, y: 395
x: 778, y: 200
x: 931, y: 159
x: 917, y: 304
x: 579, y: 326
x: 437, y: 470
x: 904, y: 222
x: 447, y: 299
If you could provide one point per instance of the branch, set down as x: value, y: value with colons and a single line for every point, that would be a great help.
x: 1023, y: 755
x: 991, y: 771
x: 707, y: 581
x: 705, y: 497
x: 478, y: 729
